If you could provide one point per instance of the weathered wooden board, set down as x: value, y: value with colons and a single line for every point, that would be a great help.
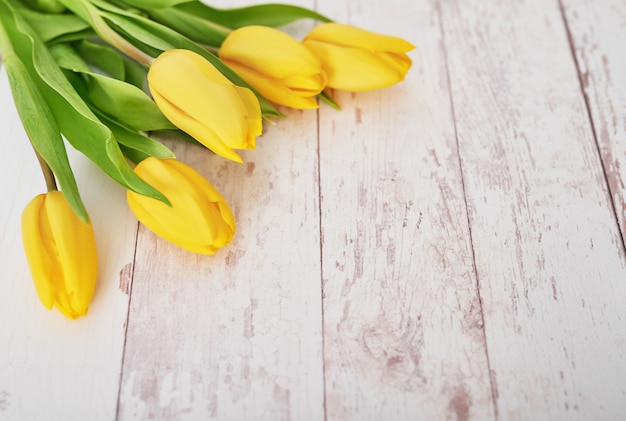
x: 598, y: 30
x: 549, y: 257
x: 237, y: 335
x: 448, y: 248
x: 403, y: 330
x: 50, y: 366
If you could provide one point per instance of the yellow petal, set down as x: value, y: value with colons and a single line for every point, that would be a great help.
x: 77, y: 256
x: 269, y: 51
x: 61, y: 253
x: 199, y: 100
x: 274, y: 90
x: 278, y: 66
x: 39, y: 260
x: 199, y: 219
x: 197, y: 129
x: 352, y: 36
x: 353, y: 69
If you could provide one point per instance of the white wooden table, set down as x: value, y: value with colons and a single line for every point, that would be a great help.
x: 449, y: 248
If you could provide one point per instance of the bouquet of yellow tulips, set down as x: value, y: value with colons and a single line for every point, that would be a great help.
x: 103, y: 75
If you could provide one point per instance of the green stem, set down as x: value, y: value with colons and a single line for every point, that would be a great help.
x: 327, y: 99
x: 48, y: 175
x: 212, y: 49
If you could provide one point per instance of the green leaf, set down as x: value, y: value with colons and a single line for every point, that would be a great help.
x: 262, y: 14
x: 76, y: 121
x: 126, y: 103
x: 153, y: 4
x: 65, y: 56
x: 52, y: 26
x: 327, y: 99
x: 137, y: 142
x: 46, y: 6
x: 194, y: 27
x: 135, y: 73
x: 42, y: 130
x: 121, y: 101
x: 102, y: 57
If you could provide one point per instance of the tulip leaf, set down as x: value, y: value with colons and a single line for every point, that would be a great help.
x: 135, y: 73
x: 42, y: 130
x: 126, y: 103
x: 192, y: 26
x: 327, y: 99
x: 143, y: 146
x: 154, y: 4
x: 75, y: 120
x: 53, y: 26
x: 65, y: 56
x: 262, y: 14
x: 110, y: 61
x: 46, y: 6
x: 117, y: 99
x: 103, y: 58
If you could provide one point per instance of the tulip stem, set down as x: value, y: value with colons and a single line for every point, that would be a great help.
x: 92, y: 14
x: 48, y: 175
x: 327, y: 99
x: 127, y: 48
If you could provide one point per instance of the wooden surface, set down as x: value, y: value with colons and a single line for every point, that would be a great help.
x: 449, y: 248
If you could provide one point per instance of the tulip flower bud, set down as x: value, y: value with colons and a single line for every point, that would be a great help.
x: 61, y: 253
x: 275, y: 64
x: 358, y: 60
x: 201, y: 101
x: 198, y: 220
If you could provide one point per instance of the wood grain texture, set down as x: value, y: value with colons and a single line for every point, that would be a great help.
x: 448, y: 248
x: 236, y: 335
x: 403, y: 327
x: 50, y: 366
x: 549, y: 257
x: 597, y: 30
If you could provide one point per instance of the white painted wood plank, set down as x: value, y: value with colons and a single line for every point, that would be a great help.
x: 236, y: 335
x: 598, y: 28
x: 549, y: 257
x: 402, y: 321
x: 52, y: 367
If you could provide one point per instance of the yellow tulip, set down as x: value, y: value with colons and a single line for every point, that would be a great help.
x: 201, y: 101
x: 275, y: 64
x: 61, y: 253
x: 199, y: 219
x: 358, y: 60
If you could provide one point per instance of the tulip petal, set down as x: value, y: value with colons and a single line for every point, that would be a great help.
x: 276, y: 91
x: 269, y: 50
x: 199, y: 131
x: 275, y: 64
x: 351, y: 36
x: 201, y: 101
x: 39, y: 261
x: 359, y: 60
x: 199, y: 219
x: 61, y: 254
x: 77, y: 256
x: 356, y: 70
